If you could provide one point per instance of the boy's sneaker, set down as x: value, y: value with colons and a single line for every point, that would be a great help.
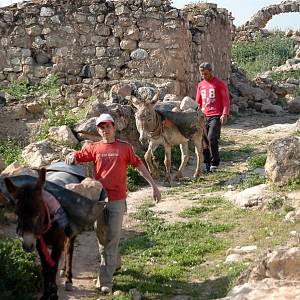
x: 207, y: 168
x: 213, y: 169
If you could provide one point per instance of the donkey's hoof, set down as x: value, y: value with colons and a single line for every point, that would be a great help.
x: 53, y: 297
x: 61, y: 273
x: 44, y: 297
x: 68, y: 286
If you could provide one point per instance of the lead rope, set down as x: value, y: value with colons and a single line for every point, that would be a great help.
x: 45, y: 213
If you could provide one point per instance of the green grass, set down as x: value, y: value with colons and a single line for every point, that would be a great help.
x: 283, y: 76
x: 256, y: 161
x: 251, y: 55
x: 236, y: 154
x: 252, y: 179
x: 10, y: 151
x: 161, y: 258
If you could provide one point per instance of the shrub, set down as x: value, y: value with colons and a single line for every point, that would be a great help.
x: 251, y: 55
x: 20, y: 276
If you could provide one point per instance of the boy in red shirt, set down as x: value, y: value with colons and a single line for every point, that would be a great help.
x: 213, y: 99
x: 111, y: 158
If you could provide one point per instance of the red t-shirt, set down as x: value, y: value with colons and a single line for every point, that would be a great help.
x: 110, y: 165
x: 213, y: 97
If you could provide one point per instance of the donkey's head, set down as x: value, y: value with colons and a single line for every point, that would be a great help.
x: 145, y: 116
x: 30, y: 209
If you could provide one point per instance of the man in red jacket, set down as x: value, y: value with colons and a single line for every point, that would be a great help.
x: 213, y: 99
x: 111, y: 157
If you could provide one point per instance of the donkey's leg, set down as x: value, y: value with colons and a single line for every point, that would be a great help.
x: 149, y: 157
x: 199, y: 154
x: 68, y: 252
x: 184, y: 148
x: 57, y: 249
x: 167, y: 162
x: 48, y: 272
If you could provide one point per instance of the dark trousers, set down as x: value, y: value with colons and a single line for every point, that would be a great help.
x: 211, y: 154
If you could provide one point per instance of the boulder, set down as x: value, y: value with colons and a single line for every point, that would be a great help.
x: 42, y: 153
x: 89, y: 188
x: 63, y: 135
x: 283, y: 159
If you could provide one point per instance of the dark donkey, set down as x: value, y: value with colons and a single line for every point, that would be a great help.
x: 34, y: 225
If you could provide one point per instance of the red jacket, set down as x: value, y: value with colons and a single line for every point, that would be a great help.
x: 213, y: 97
x: 110, y: 165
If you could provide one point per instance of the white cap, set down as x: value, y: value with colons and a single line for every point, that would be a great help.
x: 104, y: 118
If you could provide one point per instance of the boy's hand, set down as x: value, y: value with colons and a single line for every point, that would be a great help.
x: 70, y: 159
x: 156, y: 194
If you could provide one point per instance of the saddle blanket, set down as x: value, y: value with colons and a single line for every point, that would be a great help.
x: 55, y: 209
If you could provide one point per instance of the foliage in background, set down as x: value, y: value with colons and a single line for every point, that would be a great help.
x: 10, y: 151
x: 20, y: 276
x: 262, y: 54
x: 175, y: 156
x: 283, y: 76
x: 134, y: 179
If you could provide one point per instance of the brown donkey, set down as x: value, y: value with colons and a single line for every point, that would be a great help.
x: 35, y: 227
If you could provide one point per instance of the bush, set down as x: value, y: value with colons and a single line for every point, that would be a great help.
x: 20, y: 276
x: 10, y: 151
x: 251, y: 55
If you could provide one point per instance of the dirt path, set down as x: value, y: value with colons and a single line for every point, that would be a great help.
x: 85, y: 261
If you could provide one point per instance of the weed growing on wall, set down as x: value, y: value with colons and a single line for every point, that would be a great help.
x: 262, y: 54
x: 20, y: 89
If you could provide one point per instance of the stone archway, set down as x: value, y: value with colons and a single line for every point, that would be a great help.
x: 260, y: 19
x: 263, y: 16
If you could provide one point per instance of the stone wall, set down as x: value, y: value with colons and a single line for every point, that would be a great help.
x: 101, y: 43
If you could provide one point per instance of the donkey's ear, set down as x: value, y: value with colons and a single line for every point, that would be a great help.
x: 135, y: 102
x: 42, y: 178
x: 155, y: 98
x: 11, y: 188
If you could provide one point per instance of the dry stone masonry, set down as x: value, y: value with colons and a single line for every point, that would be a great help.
x: 101, y: 43
x: 259, y: 20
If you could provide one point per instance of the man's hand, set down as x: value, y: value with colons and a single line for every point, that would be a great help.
x: 223, y: 119
x: 70, y: 159
x: 156, y: 194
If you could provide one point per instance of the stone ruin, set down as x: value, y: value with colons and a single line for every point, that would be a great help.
x: 98, y: 43
x: 259, y: 20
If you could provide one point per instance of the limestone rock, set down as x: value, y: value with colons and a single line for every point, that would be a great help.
x: 42, y: 153
x: 283, y: 159
x: 89, y: 188
x: 63, y: 135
